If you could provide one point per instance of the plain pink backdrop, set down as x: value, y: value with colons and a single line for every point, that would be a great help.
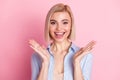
x: 21, y: 20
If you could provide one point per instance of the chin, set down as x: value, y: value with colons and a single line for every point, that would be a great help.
x: 60, y: 40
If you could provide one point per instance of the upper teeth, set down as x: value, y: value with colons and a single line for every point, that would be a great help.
x: 59, y: 33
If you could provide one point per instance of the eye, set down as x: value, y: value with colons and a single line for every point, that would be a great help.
x: 53, y: 23
x: 65, y: 22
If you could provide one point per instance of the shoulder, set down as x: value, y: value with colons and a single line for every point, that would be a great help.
x: 88, y: 58
x: 35, y: 57
x: 74, y: 47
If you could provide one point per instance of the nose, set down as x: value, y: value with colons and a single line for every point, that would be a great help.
x: 58, y: 27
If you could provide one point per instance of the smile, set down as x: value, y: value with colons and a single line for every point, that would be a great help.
x: 59, y: 34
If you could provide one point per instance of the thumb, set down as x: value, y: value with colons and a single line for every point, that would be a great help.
x: 43, y: 46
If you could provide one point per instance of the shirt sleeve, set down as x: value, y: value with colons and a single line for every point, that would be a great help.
x: 87, y: 68
x: 35, y: 66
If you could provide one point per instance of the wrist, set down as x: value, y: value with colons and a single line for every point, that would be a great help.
x: 45, y: 64
x: 76, y: 63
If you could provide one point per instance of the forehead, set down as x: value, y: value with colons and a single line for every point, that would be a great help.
x: 60, y: 16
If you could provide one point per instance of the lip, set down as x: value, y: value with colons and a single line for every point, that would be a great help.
x: 59, y: 35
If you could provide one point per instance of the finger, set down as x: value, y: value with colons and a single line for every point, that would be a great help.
x: 34, y: 43
x: 89, y: 45
x: 80, y: 56
x: 32, y: 47
x: 37, y: 46
x: 79, y: 52
x: 31, y: 41
x: 43, y: 47
x: 84, y: 53
x: 40, y: 53
x: 88, y: 49
x: 92, y: 43
x: 84, y: 50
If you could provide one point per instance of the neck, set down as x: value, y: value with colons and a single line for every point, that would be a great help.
x: 60, y: 46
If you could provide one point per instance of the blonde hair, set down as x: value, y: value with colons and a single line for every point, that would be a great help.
x: 59, y: 8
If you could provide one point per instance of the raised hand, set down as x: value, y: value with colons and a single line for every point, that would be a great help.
x: 41, y: 50
x: 83, y: 51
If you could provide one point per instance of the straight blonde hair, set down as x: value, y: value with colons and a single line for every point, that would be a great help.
x: 59, y: 8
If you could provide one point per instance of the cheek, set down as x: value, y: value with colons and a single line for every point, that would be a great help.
x: 51, y: 31
x: 68, y: 29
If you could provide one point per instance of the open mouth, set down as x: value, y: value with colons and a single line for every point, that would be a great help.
x: 59, y: 34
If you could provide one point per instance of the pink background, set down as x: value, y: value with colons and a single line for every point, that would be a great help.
x: 21, y: 20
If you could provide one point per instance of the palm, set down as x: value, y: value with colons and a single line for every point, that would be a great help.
x: 83, y: 51
x: 40, y: 50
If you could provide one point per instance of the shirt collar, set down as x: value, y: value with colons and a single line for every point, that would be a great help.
x: 73, y: 48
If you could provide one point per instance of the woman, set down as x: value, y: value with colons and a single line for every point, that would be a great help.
x: 62, y: 59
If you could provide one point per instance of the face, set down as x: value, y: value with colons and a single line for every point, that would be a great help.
x: 60, y: 26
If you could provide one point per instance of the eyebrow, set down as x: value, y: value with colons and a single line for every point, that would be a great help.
x: 52, y: 20
x: 65, y: 20
x: 62, y: 20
